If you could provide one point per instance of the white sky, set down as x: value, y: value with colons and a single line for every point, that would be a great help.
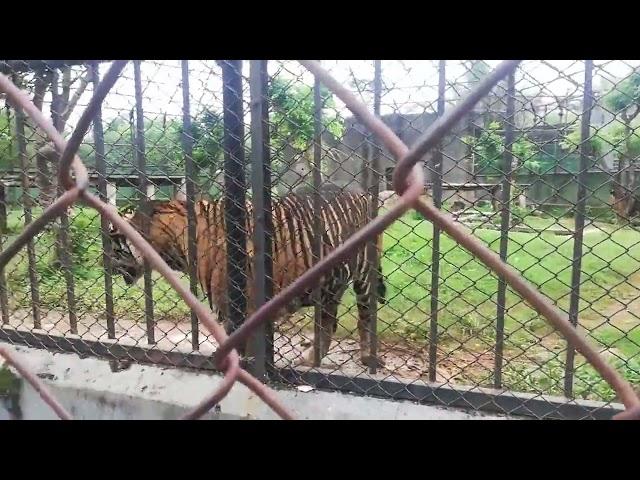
x: 410, y: 85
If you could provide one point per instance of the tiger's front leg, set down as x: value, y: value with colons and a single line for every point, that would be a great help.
x: 367, y: 357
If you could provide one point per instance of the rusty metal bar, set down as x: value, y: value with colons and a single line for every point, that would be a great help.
x: 576, y: 267
x: 373, y: 255
x: 410, y: 187
x: 28, y: 218
x: 68, y: 158
x: 505, y: 220
x: 231, y: 361
x: 409, y: 183
x: 63, y: 243
x: 143, y: 183
x: 101, y: 167
x: 262, y: 339
x: 318, y: 224
x: 436, y: 181
x: 190, y: 186
x: 234, y: 191
x: 37, y: 384
x: 406, y: 178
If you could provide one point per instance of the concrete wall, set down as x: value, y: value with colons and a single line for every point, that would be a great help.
x: 90, y: 390
x: 408, y: 127
x: 348, y: 172
x: 562, y: 189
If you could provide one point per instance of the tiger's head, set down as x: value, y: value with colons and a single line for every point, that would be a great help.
x: 167, y: 224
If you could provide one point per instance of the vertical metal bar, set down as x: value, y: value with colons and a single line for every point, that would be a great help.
x: 190, y: 172
x: 267, y: 175
x: 8, y: 115
x: 101, y: 167
x: 143, y: 182
x: 64, y: 245
x: 576, y: 264
x: 374, y: 191
x: 4, y: 301
x: 261, y: 182
x: 3, y: 208
x: 318, y: 227
x: 505, y: 218
x: 28, y: 217
x: 436, y: 181
x: 234, y: 191
x: 366, y: 162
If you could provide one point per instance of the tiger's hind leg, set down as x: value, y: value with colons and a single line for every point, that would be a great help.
x: 328, y: 327
x: 364, y: 325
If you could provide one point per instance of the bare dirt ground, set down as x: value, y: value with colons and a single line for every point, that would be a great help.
x: 403, y: 361
x: 470, y: 365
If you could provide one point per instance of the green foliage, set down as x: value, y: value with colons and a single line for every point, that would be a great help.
x: 9, y: 383
x: 85, y: 224
x: 208, y: 132
x: 293, y: 113
x: 620, y: 136
x: 164, y: 144
x: 489, y: 148
x: 8, y: 147
x: 84, y: 239
x: 612, y: 138
x: 163, y: 147
x: 467, y: 289
x: 624, y: 95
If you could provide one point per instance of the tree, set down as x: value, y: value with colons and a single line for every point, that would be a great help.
x: 620, y: 137
x: 208, y: 131
x: 62, y: 106
x: 624, y: 101
x: 8, y: 147
x: 488, y: 150
x: 292, y: 118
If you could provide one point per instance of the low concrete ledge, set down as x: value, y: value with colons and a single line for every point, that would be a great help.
x: 90, y: 390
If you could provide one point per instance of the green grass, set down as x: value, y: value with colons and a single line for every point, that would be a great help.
x: 467, y: 293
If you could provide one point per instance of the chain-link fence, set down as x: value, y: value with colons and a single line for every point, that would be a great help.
x: 243, y: 194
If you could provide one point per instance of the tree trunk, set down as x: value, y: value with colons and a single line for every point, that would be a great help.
x: 62, y: 106
x: 47, y: 157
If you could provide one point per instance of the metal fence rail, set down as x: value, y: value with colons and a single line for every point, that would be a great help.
x: 300, y: 141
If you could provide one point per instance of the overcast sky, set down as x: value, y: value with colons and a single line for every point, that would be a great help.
x: 410, y: 86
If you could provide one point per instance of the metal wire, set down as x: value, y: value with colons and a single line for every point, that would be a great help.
x: 408, y: 181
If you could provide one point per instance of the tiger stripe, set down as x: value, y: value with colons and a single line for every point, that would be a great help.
x: 342, y: 214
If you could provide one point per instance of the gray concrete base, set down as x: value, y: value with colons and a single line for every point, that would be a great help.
x: 89, y: 389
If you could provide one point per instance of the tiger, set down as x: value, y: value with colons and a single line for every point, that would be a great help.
x: 342, y: 212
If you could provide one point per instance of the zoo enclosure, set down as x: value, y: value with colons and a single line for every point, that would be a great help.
x: 353, y: 158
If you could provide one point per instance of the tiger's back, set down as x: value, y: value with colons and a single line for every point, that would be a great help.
x: 294, y: 234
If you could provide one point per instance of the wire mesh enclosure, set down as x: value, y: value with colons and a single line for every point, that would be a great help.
x: 245, y: 176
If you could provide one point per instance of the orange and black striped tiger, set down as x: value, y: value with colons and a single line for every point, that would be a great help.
x: 343, y: 213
